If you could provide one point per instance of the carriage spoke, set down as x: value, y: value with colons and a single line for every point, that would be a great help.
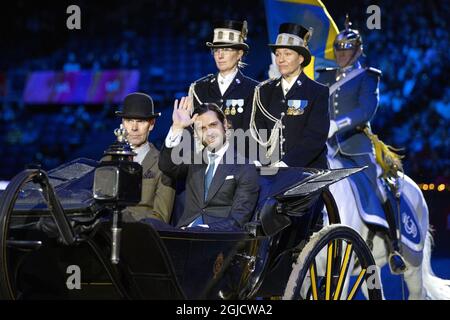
x: 357, y: 284
x: 313, y: 275
x: 328, y: 273
x: 343, y: 273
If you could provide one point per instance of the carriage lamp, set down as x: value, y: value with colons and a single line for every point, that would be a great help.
x: 118, y: 180
x: 118, y: 183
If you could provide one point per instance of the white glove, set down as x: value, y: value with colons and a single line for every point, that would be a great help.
x: 257, y: 163
x: 333, y: 128
x: 279, y: 164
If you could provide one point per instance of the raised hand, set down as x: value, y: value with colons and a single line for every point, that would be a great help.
x: 181, y: 115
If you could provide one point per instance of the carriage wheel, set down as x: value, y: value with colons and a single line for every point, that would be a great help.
x: 331, y: 206
x: 17, y: 242
x: 7, y: 201
x: 322, y: 268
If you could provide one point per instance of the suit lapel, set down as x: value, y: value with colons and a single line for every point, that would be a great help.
x: 198, y: 177
x: 217, y: 181
x: 150, y: 158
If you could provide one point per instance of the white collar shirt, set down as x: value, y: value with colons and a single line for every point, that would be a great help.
x: 225, y: 81
x: 141, y: 152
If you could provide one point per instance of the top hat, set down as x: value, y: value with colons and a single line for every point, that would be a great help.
x: 230, y: 34
x: 138, y: 105
x: 294, y: 36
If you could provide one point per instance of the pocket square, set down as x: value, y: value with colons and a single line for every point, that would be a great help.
x: 229, y: 177
x: 148, y: 174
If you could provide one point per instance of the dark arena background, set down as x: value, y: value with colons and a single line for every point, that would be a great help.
x: 158, y: 47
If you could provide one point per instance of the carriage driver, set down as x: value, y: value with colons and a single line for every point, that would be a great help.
x: 158, y: 193
x: 353, y: 103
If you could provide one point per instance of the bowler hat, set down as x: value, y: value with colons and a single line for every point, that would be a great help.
x: 138, y: 105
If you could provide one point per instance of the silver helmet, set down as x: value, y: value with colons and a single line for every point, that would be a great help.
x: 348, y: 38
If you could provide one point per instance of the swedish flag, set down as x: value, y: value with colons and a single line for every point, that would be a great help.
x: 309, y: 13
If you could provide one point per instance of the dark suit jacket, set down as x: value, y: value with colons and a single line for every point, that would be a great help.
x: 305, y: 134
x: 232, y: 200
x: 240, y: 90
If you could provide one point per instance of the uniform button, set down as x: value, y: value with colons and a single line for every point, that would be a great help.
x: 338, y: 89
x: 335, y: 103
x: 336, y: 111
x: 221, y: 100
x: 336, y: 95
x: 283, y: 101
x: 283, y: 127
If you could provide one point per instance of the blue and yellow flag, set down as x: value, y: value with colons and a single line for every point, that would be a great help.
x: 308, y: 13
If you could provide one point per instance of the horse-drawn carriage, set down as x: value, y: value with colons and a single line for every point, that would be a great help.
x: 67, y: 222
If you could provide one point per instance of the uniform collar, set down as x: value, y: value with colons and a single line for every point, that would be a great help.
x: 343, y: 72
x: 286, y: 85
x: 350, y: 68
x: 236, y: 79
x: 228, y: 78
x: 296, y: 83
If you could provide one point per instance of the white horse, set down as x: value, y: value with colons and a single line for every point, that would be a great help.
x: 422, y: 283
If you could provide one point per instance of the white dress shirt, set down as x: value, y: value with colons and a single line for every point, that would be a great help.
x: 286, y: 86
x: 141, y: 152
x: 220, y: 153
x: 225, y: 81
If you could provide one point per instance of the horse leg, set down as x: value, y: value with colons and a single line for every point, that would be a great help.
x: 435, y: 288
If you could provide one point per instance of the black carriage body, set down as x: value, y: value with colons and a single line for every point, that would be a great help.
x: 157, y: 262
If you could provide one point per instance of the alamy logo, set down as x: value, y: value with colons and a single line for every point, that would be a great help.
x: 374, y: 20
x: 373, y: 278
x: 74, y: 20
x: 74, y: 278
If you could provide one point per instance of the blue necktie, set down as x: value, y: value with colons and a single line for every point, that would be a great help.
x: 210, y: 172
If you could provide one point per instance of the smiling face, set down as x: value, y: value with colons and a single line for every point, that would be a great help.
x: 226, y: 59
x: 138, y: 130
x: 288, y: 61
x: 210, y: 130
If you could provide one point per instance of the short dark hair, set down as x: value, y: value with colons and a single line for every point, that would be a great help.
x: 205, y: 107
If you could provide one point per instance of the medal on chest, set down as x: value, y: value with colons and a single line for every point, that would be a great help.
x: 236, y: 106
x: 296, y: 107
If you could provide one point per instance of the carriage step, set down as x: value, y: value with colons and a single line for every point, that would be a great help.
x: 24, y: 245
